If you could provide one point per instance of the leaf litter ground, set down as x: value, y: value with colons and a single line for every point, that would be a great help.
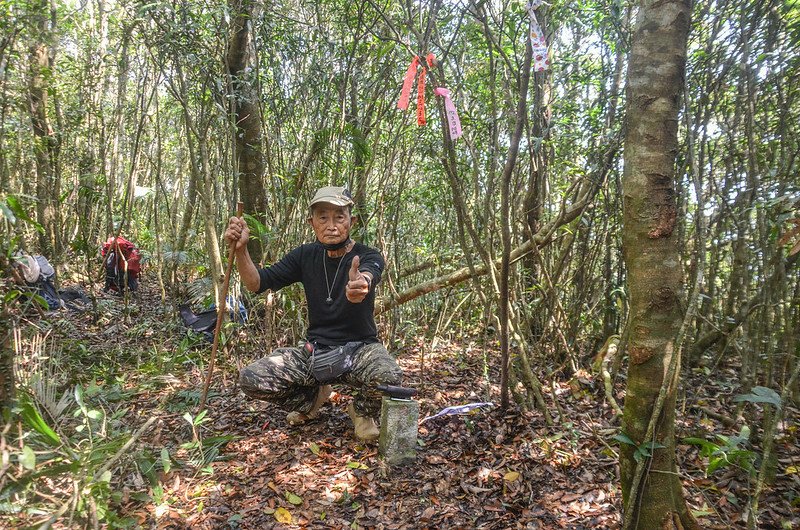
x: 489, y: 469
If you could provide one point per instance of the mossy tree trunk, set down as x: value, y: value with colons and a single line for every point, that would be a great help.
x: 250, y: 142
x: 46, y: 141
x: 652, y: 494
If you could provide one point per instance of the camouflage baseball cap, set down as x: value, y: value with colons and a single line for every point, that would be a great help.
x: 336, y: 195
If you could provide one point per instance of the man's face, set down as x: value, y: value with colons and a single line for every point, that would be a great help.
x: 331, y: 223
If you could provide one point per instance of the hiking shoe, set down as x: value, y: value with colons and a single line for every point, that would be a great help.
x: 366, y: 428
x: 299, y: 418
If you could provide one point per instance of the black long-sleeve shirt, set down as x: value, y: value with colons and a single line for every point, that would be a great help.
x: 340, y: 321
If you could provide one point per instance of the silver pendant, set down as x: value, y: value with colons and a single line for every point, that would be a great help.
x: 329, y: 300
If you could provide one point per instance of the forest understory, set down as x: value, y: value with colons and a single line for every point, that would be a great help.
x: 540, y: 178
x: 242, y: 466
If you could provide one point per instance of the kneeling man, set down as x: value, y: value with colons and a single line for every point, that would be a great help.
x: 339, y: 278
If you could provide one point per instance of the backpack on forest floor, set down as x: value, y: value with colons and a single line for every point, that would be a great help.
x: 205, y: 321
x: 39, y: 275
x: 122, y: 262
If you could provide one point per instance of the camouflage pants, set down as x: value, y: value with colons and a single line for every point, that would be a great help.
x: 285, y: 378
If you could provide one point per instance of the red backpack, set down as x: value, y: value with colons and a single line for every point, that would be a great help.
x: 127, y: 253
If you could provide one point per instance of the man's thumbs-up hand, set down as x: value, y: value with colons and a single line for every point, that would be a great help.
x: 354, y: 274
x: 358, y: 282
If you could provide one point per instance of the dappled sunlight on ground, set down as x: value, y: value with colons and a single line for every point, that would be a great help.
x: 487, y: 469
x: 242, y: 465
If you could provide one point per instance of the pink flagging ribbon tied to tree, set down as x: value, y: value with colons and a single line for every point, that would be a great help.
x: 538, y: 42
x: 408, y: 81
x: 453, y: 123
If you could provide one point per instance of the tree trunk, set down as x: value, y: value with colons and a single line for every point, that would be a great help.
x: 505, y: 191
x: 6, y: 45
x: 181, y: 92
x: 248, y: 129
x: 6, y: 362
x: 209, y: 199
x: 46, y: 143
x: 653, y: 498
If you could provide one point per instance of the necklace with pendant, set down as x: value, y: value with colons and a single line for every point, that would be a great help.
x: 328, y: 284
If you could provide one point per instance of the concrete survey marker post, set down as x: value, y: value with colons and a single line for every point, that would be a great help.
x: 398, y: 440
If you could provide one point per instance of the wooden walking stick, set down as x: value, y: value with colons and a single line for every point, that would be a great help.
x: 221, y: 308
